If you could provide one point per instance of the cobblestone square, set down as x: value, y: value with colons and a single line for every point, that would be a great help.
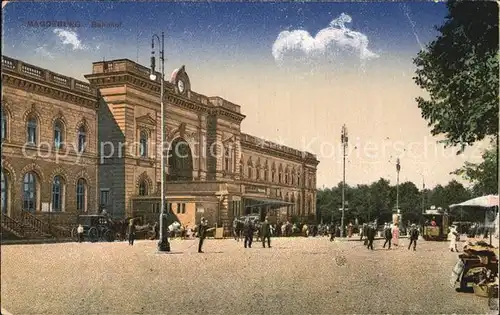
x: 295, y: 276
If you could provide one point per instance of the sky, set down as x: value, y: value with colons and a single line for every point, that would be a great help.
x: 299, y: 70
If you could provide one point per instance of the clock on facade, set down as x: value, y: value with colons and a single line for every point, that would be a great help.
x: 180, y: 86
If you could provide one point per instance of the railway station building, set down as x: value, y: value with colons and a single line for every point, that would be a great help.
x: 71, y: 147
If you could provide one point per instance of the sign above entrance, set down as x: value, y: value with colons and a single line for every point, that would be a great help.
x: 255, y: 189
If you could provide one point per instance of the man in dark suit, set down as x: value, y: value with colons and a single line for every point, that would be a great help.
x: 202, y: 231
x: 265, y: 231
x: 248, y: 231
x: 413, y: 237
x: 370, y: 236
x: 387, y: 235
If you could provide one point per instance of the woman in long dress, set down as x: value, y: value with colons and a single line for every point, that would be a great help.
x: 395, y: 234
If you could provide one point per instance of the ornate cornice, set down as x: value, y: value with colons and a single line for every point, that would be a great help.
x: 12, y: 79
x: 231, y: 115
x: 274, y: 152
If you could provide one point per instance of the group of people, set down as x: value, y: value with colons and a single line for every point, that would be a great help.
x: 390, y: 233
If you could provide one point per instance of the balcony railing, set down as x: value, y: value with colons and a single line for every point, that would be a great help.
x: 43, y: 74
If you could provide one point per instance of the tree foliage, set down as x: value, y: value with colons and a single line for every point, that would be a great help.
x: 460, y: 71
x: 484, y: 175
x: 378, y: 200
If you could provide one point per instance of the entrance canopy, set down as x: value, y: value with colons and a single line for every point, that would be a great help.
x: 264, y: 202
x: 482, y: 202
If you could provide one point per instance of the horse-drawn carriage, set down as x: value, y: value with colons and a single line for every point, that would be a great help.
x: 95, y: 228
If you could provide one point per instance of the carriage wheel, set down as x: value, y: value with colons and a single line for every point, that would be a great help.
x: 74, y: 234
x: 93, y: 235
x: 109, y: 236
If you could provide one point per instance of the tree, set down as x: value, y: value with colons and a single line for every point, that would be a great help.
x: 483, y: 176
x: 460, y: 71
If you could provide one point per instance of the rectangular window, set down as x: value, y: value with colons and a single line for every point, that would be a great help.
x: 104, y: 197
x: 183, y: 208
x: 178, y: 208
x: 227, y: 159
x: 169, y: 207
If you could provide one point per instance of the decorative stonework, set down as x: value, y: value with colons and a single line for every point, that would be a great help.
x: 146, y: 120
x: 59, y: 116
x: 31, y: 112
x: 81, y: 174
x: 83, y: 123
x: 58, y: 171
x: 144, y: 177
x: 33, y: 167
x: 35, y: 87
x: 9, y: 170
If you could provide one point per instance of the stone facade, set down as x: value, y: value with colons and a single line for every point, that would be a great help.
x: 213, y: 169
x: 36, y: 102
x: 220, y: 174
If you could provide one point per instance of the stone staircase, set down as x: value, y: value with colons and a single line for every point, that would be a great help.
x: 28, y: 226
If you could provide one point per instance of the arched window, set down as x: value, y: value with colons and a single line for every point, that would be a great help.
x: 31, y: 130
x: 57, y: 194
x: 273, y: 175
x: 143, y: 148
x: 4, y: 125
x: 250, y: 172
x: 82, y: 139
x: 266, y: 174
x: 5, y: 196
x: 81, y: 195
x: 58, y: 134
x: 29, y: 192
x: 280, y: 174
x: 143, y: 188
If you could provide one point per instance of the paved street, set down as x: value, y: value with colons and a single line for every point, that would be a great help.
x: 296, y: 276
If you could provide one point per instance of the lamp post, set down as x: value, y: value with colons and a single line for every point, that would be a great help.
x: 398, y: 168
x: 163, y: 244
x: 423, y: 194
x: 344, y: 140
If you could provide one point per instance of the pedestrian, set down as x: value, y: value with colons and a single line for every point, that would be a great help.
x: 131, y: 232
x: 349, y: 230
x: 413, y: 236
x: 370, y: 236
x: 248, y: 230
x: 395, y: 234
x: 79, y: 231
x: 454, y: 237
x: 387, y: 235
x: 332, y: 228
x: 202, y: 233
x: 265, y: 231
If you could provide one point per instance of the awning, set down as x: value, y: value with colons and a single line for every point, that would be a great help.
x: 263, y: 202
x: 482, y: 202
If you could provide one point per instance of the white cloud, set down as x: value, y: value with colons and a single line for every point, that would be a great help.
x: 69, y: 38
x: 44, y: 52
x: 327, y: 42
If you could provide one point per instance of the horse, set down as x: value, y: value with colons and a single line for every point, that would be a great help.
x: 175, y: 229
x: 120, y: 227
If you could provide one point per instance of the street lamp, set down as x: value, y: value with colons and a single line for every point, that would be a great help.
x: 163, y: 244
x: 344, y: 139
x: 423, y: 193
x: 398, y: 168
